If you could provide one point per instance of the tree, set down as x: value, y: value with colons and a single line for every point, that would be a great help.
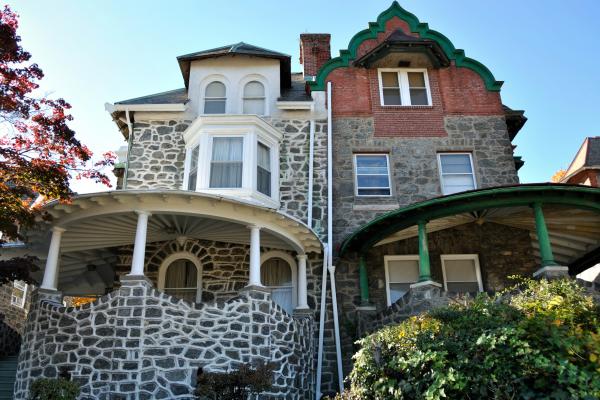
x: 39, y: 152
x: 558, y: 175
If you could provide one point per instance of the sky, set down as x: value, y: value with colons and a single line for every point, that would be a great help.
x: 546, y: 51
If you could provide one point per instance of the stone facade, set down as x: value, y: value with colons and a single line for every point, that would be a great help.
x: 139, y: 343
x: 12, y: 321
x: 413, y: 163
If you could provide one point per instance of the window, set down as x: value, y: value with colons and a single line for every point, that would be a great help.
x: 254, y: 98
x: 400, y: 273
x: 456, y: 172
x: 276, y: 275
x: 19, y: 294
x: 461, y: 273
x: 372, y: 175
x: 263, y: 169
x: 404, y: 87
x: 215, y: 98
x: 227, y: 162
x: 182, y: 281
x: 193, y: 175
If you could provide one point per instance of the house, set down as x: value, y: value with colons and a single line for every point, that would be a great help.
x: 267, y: 215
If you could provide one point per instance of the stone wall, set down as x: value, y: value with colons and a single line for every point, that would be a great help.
x: 413, y: 164
x: 12, y: 321
x: 139, y: 343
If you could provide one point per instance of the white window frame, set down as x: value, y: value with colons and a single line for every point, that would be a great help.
x: 441, y: 172
x: 293, y: 266
x: 474, y: 257
x: 182, y: 255
x: 386, y: 259
x: 405, y: 100
x: 19, y: 301
x: 389, y: 175
x: 210, y: 159
x: 263, y: 98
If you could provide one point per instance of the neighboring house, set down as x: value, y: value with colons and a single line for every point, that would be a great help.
x: 262, y: 214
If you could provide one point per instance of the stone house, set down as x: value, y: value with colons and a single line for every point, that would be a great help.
x: 267, y: 215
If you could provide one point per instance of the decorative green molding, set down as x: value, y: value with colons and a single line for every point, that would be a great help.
x: 422, y: 28
x: 363, y: 281
x: 543, y: 237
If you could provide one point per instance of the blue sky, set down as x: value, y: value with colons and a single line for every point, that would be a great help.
x: 546, y: 51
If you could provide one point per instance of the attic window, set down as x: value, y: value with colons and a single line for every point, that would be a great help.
x: 404, y: 87
x: 215, y: 98
x: 254, y: 98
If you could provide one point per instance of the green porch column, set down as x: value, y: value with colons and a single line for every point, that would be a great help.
x: 363, y: 281
x: 424, y: 268
x: 543, y: 238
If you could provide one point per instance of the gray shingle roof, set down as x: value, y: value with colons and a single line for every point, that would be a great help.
x: 593, y: 155
x: 237, y: 48
x: 177, y: 96
x: 298, y: 90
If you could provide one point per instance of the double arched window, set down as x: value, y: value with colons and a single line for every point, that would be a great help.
x: 180, y: 275
x: 254, y: 98
x: 215, y: 98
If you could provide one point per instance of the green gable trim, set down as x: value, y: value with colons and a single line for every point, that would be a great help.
x: 368, y: 235
x: 395, y: 10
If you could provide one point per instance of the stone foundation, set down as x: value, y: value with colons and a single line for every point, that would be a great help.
x: 139, y: 343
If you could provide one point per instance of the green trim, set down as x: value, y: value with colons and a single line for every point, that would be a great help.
x: 363, y: 281
x: 543, y: 237
x: 424, y: 267
x: 395, y: 10
x: 500, y: 197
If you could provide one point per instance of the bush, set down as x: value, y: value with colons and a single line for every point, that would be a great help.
x: 538, y: 340
x: 54, y: 389
x: 235, y: 385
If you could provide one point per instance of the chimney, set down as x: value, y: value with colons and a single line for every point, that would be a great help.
x: 314, y: 52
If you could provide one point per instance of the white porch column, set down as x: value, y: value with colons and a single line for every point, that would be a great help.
x: 254, y: 256
x: 139, y: 248
x: 50, y: 281
x: 302, y: 289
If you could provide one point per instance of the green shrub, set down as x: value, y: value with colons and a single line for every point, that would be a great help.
x: 235, y: 385
x: 540, y: 340
x: 54, y: 389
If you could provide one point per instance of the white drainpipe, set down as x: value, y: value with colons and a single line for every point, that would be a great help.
x: 311, y: 153
x: 322, y: 322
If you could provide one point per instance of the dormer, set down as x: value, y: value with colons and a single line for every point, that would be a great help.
x: 235, y: 79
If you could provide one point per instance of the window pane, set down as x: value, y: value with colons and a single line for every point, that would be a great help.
x: 214, y: 106
x: 254, y: 106
x: 181, y: 274
x: 263, y: 170
x: 456, y: 163
x: 374, y: 192
x: 193, y: 174
x: 463, y: 287
x: 276, y: 272
x: 406, y: 271
x: 364, y: 161
x: 416, y: 79
x: 418, y: 97
x: 391, y: 97
x: 457, y: 183
x: 390, y: 79
x: 398, y: 290
x: 254, y: 89
x: 460, y: 270
x: 226, y: 175
x: 373, y: 181
x: 228, y: 149
x: 215, y: 89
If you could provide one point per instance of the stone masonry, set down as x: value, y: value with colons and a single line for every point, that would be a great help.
x: 139, y: 343
x: 12, y: 321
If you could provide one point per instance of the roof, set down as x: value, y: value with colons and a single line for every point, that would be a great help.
x: 241, y: 48
x: 177, y: 96
x: 588, y: 156
x: 515, y: 119
x: 297, y: 91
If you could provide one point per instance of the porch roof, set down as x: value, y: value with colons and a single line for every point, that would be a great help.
x: 572, y: 214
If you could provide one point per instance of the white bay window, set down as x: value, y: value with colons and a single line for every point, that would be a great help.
x: 263, y: 169
x: 227, y: 162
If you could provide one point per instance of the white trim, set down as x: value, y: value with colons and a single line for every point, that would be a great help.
x: 409, y: 257
x: 473, y: 257
x: 146, y: 107
x: 185, y: 255
x: 19, y: 301
x: 295, y: 105
x: 356, y: 188
x: 204, y: 84
x: 441, y: 173
x: 293, y: 266
x: 404, y: 87
x: 242, y: 86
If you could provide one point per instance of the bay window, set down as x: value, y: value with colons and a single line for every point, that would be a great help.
x: 227, y: 162
x: 263, y: 169
x: 193, y: 175
x: 404, y: 87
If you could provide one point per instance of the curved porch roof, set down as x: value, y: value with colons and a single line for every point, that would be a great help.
x: 572, y: 215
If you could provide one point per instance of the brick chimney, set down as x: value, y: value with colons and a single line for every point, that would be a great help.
x: 314, y: 52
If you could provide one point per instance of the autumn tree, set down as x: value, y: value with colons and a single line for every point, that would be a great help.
x: 558, y: 175
x: 39, y: 152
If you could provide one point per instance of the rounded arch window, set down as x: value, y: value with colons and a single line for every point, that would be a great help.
x: 254, y: 98
x: 215, y: 98
x: 276, y: 274
x: 181, y: 276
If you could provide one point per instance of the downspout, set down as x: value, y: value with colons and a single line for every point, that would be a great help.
x: 322, y: 323
x: 330, y: 267
x: 311, y: 153
x: 129, y: 143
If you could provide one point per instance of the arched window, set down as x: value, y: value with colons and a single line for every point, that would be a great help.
x: 276, y: 274
x: 180, y: 275
x: 254, y: 98
x: 215, y: 98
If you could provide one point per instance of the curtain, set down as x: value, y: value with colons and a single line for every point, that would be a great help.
x: 181, y: 280
x: 263, y: 170
x: 276, y: 274
x: 226, y: 165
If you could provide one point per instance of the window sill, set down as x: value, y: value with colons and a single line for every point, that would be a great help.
x: 246, y: 195
x: 375, y: 207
